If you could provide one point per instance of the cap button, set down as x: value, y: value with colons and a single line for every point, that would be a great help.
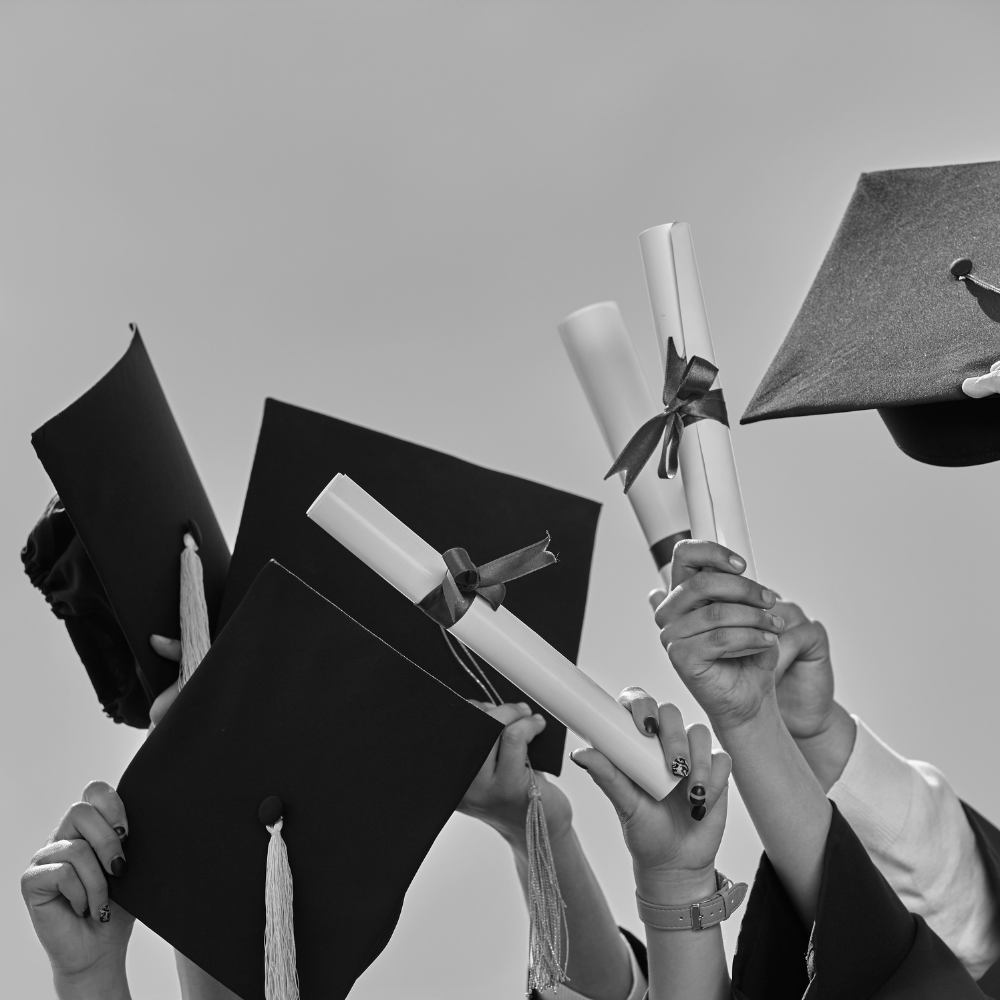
x: 960, y: 268
x: 271, y: 810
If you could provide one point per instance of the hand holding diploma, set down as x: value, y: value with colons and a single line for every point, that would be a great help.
x: 418, y: 570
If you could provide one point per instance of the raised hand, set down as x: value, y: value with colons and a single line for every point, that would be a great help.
x: 720, y: 631
x: 66, y: 891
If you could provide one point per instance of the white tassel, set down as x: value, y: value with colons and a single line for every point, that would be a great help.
x: 195, y: 636
x: 281, y: 978
x: 547, y: 956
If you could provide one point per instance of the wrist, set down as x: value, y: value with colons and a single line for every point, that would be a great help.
x: 828, y: 750
x: 735, y: 725
x: 106, y: 980
x: 675, y: 887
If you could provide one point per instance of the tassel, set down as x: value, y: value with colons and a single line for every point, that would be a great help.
x: 281, y: 978
x: 195, y: 636
x: 547, y: 955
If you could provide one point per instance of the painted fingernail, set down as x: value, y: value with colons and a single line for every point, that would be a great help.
x: 105, y: 913
x: 737, y: 563
x: 770, y: 637
x: 767, y: 596
x: 698, y: 813
x: 777, y: 621
x: 651, y: 724
x: 579, y: 763
x: 696, y: 795
x: 118, y: 866
x: 680, y: 767
x: 121, y: 831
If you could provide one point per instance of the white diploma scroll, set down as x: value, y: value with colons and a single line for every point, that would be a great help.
x: 707, y: 463
x: 414, y: 568
x: 606, y: 364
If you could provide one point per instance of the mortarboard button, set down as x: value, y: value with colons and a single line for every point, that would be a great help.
x: 458, y: 503
x: 271, y: 810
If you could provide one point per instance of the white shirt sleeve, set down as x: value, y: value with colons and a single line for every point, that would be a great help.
x: 637, y: 992
x: 913, y: 827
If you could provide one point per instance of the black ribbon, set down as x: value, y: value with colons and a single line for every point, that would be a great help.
x: 449, y: 601
x: 688, y: 397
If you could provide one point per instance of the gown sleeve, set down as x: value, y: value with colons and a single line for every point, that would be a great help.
x: 864, y: 945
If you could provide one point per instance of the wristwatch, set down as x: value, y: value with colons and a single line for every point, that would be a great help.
x: 695, y: 916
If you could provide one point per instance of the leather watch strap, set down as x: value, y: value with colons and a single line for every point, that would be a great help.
x: 695, y: 916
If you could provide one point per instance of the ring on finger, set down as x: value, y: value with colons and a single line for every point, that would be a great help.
x: 680, y: 766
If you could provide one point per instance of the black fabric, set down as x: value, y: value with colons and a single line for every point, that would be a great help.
x: 988, y: 842
x: 58, y: 565
x: 885, y: 325
x: 448, y: 502
x: 867, y: 946
x: 126, y: 479
x: 369, y: 754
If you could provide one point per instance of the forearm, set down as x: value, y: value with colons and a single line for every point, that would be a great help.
x: 108, y: 982
x: 599, y: 966
x: 828, y: 751
x: 684, y: 965
x: 786, y: 803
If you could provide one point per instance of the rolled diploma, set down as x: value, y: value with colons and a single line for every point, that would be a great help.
x: 606, y: 364
x: 414, y: 568
x: 707, y: 463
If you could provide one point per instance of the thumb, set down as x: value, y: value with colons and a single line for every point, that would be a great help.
x: 618, y: 787
x: 796, y: 641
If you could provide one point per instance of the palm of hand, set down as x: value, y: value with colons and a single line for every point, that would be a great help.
x: 661, y: 836
x: 76, y: 944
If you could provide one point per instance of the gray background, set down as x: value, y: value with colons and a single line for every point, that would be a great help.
x: 359, y: 207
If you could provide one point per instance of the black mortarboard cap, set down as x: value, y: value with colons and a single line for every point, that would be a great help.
x: 368, y: 754
x: 904, y: 309
x: 107, y: 554
x: 448, y: 502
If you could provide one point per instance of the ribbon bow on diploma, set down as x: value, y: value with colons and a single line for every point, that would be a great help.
x: 449, y: 601
x: 688, y: 397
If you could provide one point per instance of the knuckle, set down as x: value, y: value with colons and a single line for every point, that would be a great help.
x: 719, y: 637
x: 716, y: 612
x: 96, y: 787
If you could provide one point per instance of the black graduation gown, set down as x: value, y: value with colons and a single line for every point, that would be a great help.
x: 866, y: 944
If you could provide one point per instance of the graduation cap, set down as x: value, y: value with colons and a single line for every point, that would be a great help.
x: 302, y: 720
x: 448, y: 502
x: 130, y: 533
x: 904, y: 317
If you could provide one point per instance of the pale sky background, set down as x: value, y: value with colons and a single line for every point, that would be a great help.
x: 357, y: 207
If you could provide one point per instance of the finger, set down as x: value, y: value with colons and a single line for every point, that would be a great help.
x: 792, y: 644
x: 692, y: 555
x: 656, y: 597
x: 720, y: 643
x: 80, y: 855
x: 700, y: 744
x: 162, y: 703
x: 169, y: 649
x: 791, y: 612
x: 40, y: 884
x: 643, y: 708
x: 513, y: 752
x: 673, y: 739
x: 83, y: 822
x: 718, y: 783
x: 720, y: 615
x: 707, y: 587
x: 618, y: 787
x: 509, y: 712
x: 109, y: 804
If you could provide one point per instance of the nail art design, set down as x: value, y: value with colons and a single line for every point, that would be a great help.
x: 698, y: 813
x: 680, y: 767
x: 105, y: 913
x: 651, y: 724
x: 696, y: 795
x: 122, y: 833
x: 118, y: 866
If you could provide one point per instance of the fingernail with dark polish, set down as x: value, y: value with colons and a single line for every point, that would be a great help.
x: 121, y: 831
x: 105, y: 913
x: 579, y: 763
x: 118, y: 866
x: 696, y: 794
x: 698, y: 813
x: 651, y: 724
